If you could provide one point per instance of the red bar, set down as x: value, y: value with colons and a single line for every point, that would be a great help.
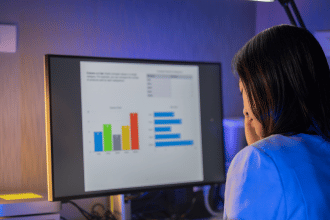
x: 134, y: 131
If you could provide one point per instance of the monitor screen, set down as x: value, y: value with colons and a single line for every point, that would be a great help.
x: 117, y: 126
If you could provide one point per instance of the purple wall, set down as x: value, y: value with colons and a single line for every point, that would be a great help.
x: 194, y: 30
x: 315, y: 14
x: 178, y: 30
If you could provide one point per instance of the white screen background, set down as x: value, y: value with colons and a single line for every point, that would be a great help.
x: 109, y: 93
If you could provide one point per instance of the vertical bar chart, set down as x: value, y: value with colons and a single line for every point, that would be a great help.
x: 116, y: 142
x: 128, y: 139
x: 107, y: 137
x: 98, y: 141
x: 164, y: 124
x: 134, y: 131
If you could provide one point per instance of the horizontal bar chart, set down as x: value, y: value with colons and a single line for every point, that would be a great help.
x: 162, y: 129
x: 163, y: 114
x: 168, y: 121
x: 166, y: 138
x: 174, y: 143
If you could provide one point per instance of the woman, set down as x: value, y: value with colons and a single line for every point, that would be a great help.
x: 284, y: 173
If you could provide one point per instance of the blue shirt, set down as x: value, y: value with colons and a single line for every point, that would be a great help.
x: 281, y: 178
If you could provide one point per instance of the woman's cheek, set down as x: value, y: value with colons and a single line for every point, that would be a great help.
x: 258, y: 128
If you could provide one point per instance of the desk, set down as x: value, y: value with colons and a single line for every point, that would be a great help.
x: 36, y: 208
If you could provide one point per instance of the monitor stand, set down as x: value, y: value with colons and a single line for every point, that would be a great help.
x: 120, y: 208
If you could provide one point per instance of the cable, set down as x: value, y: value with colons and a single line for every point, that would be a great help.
x: 183, y: 216
x: 207, y: 202
x: 82, y: 211
x: 106, y: 215
x: 150, y: 200
x: 146, y: 206
x: 95, y: 213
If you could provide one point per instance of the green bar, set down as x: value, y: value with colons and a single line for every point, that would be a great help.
x: 107, y: 137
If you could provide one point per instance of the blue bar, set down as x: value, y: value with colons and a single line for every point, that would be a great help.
x: 174, y: 143
x: 164, y: 114
x: 168, y: 121
x: 160, y: 129
x: 166, y: 136
x: 98, y: 140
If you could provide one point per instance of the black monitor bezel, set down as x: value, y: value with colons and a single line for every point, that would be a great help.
x: 48, y: 114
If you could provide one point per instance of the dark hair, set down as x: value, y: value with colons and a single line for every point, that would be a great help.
x: 286, y: 75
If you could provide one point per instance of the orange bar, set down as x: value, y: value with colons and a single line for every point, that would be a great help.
x: 134, y: 131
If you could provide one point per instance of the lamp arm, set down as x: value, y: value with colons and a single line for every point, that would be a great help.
x: 288, y: 12
x: 295, y: 10
x: 285, y: 4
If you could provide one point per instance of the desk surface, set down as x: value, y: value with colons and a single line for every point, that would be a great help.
x: 21, y: 207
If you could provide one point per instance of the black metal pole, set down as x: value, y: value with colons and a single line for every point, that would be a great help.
x: 288, y: 12
x: 296, y: 12
x: 285, y: 4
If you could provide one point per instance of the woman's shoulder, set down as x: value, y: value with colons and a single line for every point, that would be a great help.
x: 294, y: 156
x: 283, y: 168
x: 298, y: 144
x: 270, y: 148
x: 252, y: 175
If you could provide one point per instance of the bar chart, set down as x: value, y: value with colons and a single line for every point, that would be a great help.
x: 128, y: 139
x: 164, y: 135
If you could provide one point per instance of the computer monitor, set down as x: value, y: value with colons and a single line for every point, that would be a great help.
x: 118, y: 126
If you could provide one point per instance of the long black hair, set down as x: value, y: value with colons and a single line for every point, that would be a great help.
x: 286, y: 75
